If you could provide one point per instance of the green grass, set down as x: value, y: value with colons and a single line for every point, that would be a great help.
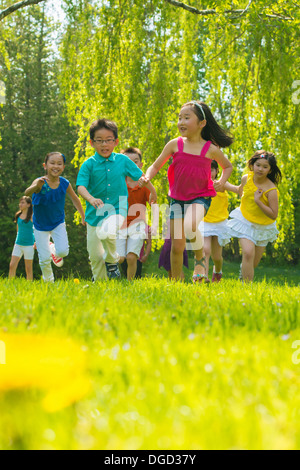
x: 171, y: 366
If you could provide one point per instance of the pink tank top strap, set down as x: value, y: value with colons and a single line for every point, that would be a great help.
x: 180, y: 144
x: 205, y: 148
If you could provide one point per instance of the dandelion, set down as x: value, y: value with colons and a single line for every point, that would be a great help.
x: 52, y: 364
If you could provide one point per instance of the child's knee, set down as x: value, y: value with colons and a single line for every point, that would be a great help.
x: 131, y: 258
x: 178, y: 246
x: 121, y: 259
x: 248, y: 255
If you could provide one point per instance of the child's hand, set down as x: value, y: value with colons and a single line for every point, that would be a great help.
x: 258, y: 194
x: 219, y: 187
x: 83, y: 222
x: 153, y: 229
x: 40, y: 183
x: 96, y: 202
x: 144, y: 258
x: 153, y: 198
x: 143, y: 181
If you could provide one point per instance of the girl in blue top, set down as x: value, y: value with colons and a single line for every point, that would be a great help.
x: 49, y: 193
x: 24, y: 244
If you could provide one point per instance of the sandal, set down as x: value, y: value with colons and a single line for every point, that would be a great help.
x: 198, y: 278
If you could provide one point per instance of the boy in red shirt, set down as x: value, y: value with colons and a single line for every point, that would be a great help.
x: 134, y: 230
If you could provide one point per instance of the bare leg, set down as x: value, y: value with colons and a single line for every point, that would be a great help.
x: 217, y: 257
x: 259, y: 251
x: 28, y: 269
x: 131, y: 265
x: 192, y: 219
x: 248, y: 255
x: 177, y: 249
x: 13, y: 266
x: 207, y: 252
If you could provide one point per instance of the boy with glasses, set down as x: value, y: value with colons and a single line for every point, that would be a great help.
x: 101, y: 182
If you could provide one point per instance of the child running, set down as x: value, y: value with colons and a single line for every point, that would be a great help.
x: 214, y: 229
x: 254, y: 221
x: 48, y: 199
x: 101, y: 182
x: 132, y: 234
x: 165, y: 255
x: 191, y: 187
x: 24, y: 244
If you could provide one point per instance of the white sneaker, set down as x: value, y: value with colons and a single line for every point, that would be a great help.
x: 57, y: 261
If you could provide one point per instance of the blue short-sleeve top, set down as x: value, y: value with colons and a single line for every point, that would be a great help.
x: 49, y: 206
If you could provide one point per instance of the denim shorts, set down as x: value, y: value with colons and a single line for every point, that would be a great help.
x: 179, y: 208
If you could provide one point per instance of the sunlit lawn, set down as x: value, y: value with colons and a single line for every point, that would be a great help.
x: 151, y: 364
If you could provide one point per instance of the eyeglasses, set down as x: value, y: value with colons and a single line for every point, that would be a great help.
x: 107, y: 141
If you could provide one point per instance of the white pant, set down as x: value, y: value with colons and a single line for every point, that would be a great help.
x: 131, y: 239
x: 42, y: 239
x: 101, y: 244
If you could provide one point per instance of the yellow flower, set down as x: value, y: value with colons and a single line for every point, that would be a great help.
x: 76, y: 281
x: 40, y: 362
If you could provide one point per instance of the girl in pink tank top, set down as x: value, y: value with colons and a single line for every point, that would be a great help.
x: 191, y: 187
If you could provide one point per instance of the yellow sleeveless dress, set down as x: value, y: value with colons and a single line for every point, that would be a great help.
x: 215, y: 221
x: 249, y: 221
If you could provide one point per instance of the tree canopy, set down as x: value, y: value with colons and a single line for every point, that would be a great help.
x: 137, y: 62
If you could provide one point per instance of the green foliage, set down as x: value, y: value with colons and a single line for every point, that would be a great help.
x: 138, y: 62
x: 32, y: 121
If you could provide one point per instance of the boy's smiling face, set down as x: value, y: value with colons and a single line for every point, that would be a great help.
x: 104, y: 142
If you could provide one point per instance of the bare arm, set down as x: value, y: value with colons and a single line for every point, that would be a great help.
x: 216, y: 154
x: 76, y: 201
x: 89, y: 198
x: 236, y: 189
x: 168, y: 150
x: 148, y: 248
x: 271, y: 210
x: 36, y: 186
x: 153, y: 195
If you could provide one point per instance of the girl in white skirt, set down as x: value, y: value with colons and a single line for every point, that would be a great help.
x: 214, y: 229
x: 254, y: 221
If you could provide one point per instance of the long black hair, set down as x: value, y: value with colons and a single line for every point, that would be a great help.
x: 29, y: 210
x: 211, y: 131
x: 275, y: 174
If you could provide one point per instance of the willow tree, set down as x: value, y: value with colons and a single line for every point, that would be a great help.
x: 137, y: 62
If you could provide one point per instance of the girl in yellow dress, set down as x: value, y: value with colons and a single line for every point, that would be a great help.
x: 254, y: 221
x: 214, y: 229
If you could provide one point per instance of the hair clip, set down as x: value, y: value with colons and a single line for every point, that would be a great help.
x: 63, y: 157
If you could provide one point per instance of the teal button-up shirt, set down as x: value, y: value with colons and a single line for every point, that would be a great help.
x: 104, y: 178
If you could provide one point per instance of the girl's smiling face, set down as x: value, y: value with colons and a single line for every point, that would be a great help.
x: 261, y: 168
x: 188, y: 123
x: 23, y: 205
x: 55, y: 165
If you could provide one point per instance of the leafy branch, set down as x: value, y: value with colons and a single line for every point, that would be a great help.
x: 212, y: 11
x: 17, y: 6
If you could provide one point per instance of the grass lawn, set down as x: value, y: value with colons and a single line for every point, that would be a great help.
x: 151, y: 364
